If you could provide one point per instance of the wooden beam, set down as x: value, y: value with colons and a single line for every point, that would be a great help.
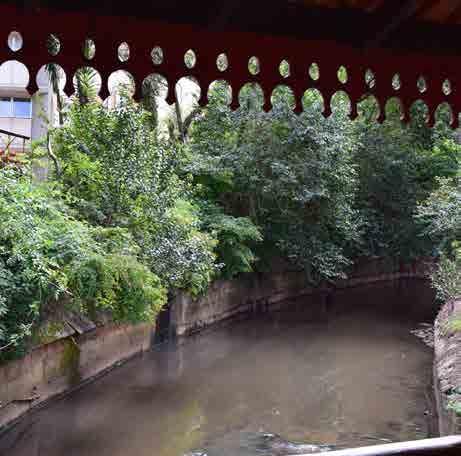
x: 455, y: 16
x: 397, y: 13
x: 373, y: 5
x: 222, y: 17
x: 426, y: 6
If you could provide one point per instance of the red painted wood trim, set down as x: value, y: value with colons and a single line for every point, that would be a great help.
x: 143, y: 34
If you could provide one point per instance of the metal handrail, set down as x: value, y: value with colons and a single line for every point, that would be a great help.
x: 442, y: 446
x: 10, y: 133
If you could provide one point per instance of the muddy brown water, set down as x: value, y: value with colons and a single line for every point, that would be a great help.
x: 352, y: 381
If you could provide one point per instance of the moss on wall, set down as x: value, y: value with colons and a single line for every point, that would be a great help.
x: 70, y: 361
x: 48, y: 333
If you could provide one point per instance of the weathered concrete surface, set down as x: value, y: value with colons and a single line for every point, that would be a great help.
x: 447, y: 367
x: 52, y: 369
x: 233, y: 299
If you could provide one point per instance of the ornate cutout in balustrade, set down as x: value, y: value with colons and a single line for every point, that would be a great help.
x: 140, y: 46
x: 190, y: 59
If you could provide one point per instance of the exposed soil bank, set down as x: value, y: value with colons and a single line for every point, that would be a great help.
x: 60, y: 366
x: 447, y: 367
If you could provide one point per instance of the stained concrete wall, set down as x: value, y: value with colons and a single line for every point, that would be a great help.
x: 52, y: 369
x: 380, y: 279
x: 447, y: 367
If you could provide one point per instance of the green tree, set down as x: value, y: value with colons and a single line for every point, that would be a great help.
x: 118, y: 172
x: 441, y: 215
x: 398, y: 168
x: 293, y: 176
x: 50, y: 261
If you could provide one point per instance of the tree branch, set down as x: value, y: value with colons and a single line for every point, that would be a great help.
x: 53, y: 157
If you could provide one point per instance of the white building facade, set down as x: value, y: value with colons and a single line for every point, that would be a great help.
x: 21, y: 113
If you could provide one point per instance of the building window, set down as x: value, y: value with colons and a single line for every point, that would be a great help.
x: 15, y: 107
x: 22, y: 107
x: 5, y: 107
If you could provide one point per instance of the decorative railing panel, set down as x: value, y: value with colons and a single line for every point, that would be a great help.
x: 155, y: 47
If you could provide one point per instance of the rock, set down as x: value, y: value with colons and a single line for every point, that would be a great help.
x: 258, y: 444
x: 277, y: 446
x: 425, y: 333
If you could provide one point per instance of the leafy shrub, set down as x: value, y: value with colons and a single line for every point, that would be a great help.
x: 292, y: 176
x: 398, y: 168
x: 49, y: 259
x: 118, y: 284
x: 441, y: 214
x: 119, y: 173
x: 179, y: 252
x: 447, y: 278
x: 236, y: 239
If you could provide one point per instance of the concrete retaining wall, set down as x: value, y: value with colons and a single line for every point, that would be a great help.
x: 52, y: 369
x: 232, y: 299
x: 447, y: 367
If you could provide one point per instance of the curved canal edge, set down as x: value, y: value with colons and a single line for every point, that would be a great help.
x: 447, y: 367
x: 51, y: 371
x: 54, y: 369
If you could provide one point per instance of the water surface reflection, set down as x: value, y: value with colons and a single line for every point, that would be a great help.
x: 357, y: 380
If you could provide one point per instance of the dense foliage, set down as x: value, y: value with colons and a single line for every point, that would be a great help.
x: 131, y: 213
x: 118, y: 173
x: 399, y: 166
x: 441, y: 213
x: 291, y: 175
x: 49, y: 259
x: 323, y: 191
